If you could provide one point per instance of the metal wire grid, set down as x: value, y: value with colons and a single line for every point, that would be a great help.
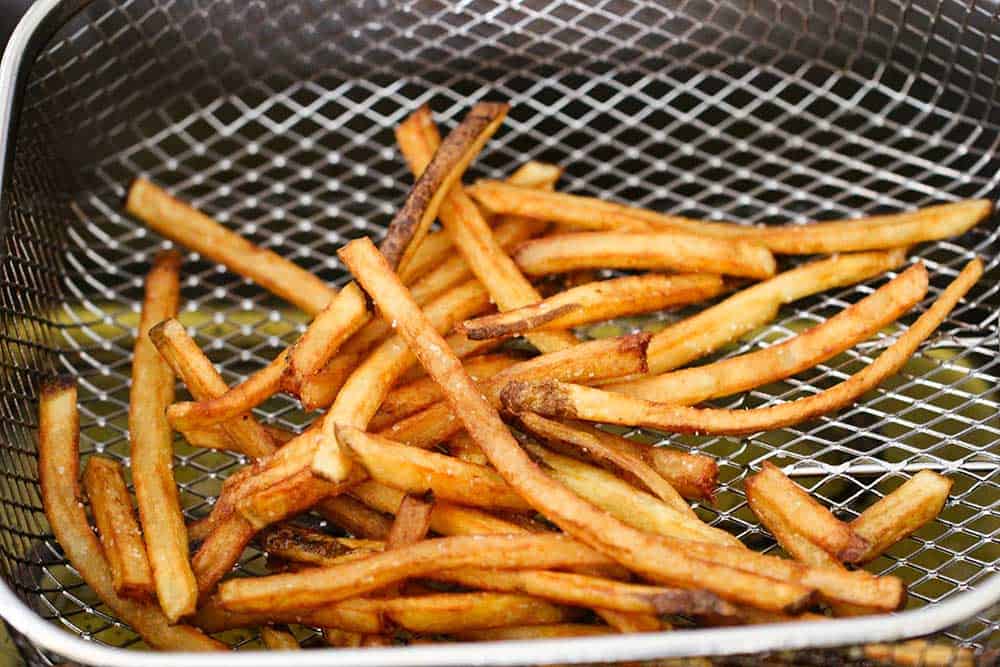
x: 277, y: 119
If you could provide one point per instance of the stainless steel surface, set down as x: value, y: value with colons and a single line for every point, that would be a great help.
x: 277, y: 119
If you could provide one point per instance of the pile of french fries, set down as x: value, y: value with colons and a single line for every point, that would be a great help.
x: 480, y: 499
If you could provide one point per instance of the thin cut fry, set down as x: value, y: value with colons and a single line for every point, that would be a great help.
x: 815, y: 522
x: 338, y: 638
x: 597, y: 301
x: 918, y: 501
x: 450, y: 612
x: 191, y: 228
x: 695, y: 476
x: 920, y: 653
x: 653, y: 556
x: 883, y: 231
x: 214, y: 437
x: 578, y: 402
x: 304, y: 545
x: 413, y: 520
x: 730, y: 376
x: 671, y: 250
x: 418, y: 138
x: 289, y: 497
x: 111, y: 506
x: 151, y: 447
x: 409, y: 226
x: 355, y: 517
x: 58, y: 472
x: 278, y: 639
x: 555, y: 631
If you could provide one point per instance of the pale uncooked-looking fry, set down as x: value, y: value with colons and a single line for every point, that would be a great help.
x: 597, y: 301
x: 111, y: 506
x: 587, y: 362
x: 328, y: 330
x: 58, y: 471
x: 410, y: 225
x: 515, y: 633
x: 560, y: 399
x: 414, y: 470
x: 847, y: 328
x: 882, y: 231
x: 418, y: 138
x: 921, y: 653
x: 204, y: 382
x: 151, y: 447
x: 655, y: 557
x: 915, y: 503
x: 191, y: 228
x: 813, y: 521
x: 355, y: 517
x: 404, y: 400
x: 278, y: 639
x: 701, y: 334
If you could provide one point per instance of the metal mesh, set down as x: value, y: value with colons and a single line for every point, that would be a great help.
x: 277, y: 118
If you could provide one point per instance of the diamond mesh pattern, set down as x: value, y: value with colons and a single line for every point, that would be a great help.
x: 277, y: 119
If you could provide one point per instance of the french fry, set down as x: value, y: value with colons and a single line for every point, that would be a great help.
x: 58, y: 472
x: 560, y: 399
x: 278, y: 639
x: 151, y: 447
x: 328, y: 330
x: 675, y: 251
x: 813, y: 521
x: 214, y: 437
x: 124, y: 550
x: 289, y: 497
x: 695, y: 476
x: 606, y: 449
x: 587, y: 362
x: 920, y: 653
x: 450, y: 612
x: 191, y: 228
x: 844, y: 330
x: 418, y: 138
x: 597, y: 301
x: 883, y: 231
x: 415, y: 470
x: 653, y: 556
x: 355, y: 517
x: 412, y: 522
x: 338, y: 638
x: 514, y: 633
x: 204, y: 382
x: 303, y: 545
x: 918, y: 501
x: 409, y: 226
x: 319, y: 586
x: 461, y: 446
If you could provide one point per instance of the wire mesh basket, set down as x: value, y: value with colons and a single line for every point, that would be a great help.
x: 277, y: 118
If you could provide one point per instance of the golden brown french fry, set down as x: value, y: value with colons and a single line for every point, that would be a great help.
x: 844, y: 330
x: 360, y: 615
x: 593, y: 444
x: 324, y: 336
x: 449, y: 612
x: 587, y: 362
x: 883, y: 231
x: 338, y: 638
x: 415, y: 470
x: 418, y: 138
x: 920, y: 653
x: 58, y: 473
x: 355, y: 517
x: 432, y: 251
x: 303, y: 545
x: 151, y: 447
x: 461, y: 446
x: 918, y: 501
x: 654, y: 557
x: 278, y: 639
x: 289, y: 497
x: 554, y: 631
x: 597, y: 301
x: 695, y: 476
x: 409, y: 226
x: 799, y: 509
x: 578, y: 402
x: 111, y: 506
x: 404, y: 400
x: 204, y: 382
x: 214, y: 437
x: 191, y: 228
x: 413, y: 520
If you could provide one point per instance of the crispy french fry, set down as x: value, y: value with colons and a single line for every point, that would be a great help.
x: 449, y: 612
x: 695, y: 476
x: 418, y: 471
x: 204, y: 382
x: 578, y: 402
x: 304, y: 545
x: 278, y: 639
x: 918, y: 501
x: 191, y: 228
x: 289, y: 497
x: 151, y: 447
x: 412, y: 522
x: 675, y: 251
x: 360, y: 615
x: 355, y: 517
x: 587, y: 362
x: 338, y: 638
x: 920, y: 653
x: 111, y: 505
x: 596, y: 301
x: 883, y: 231
x: 554, y: 631
x: 58, y: 470
x: 845, y: 329
x: 653, y: 556
x: 330, y: 328
x: 432, y: 251
x: 409, y: 226
x: 418, y: 138
x: 462, y: 447
x: 213, y: 437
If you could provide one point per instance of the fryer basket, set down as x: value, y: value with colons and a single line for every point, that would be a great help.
x: 277, y: 119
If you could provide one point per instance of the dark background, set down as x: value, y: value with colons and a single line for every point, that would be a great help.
x: 10, y: 13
